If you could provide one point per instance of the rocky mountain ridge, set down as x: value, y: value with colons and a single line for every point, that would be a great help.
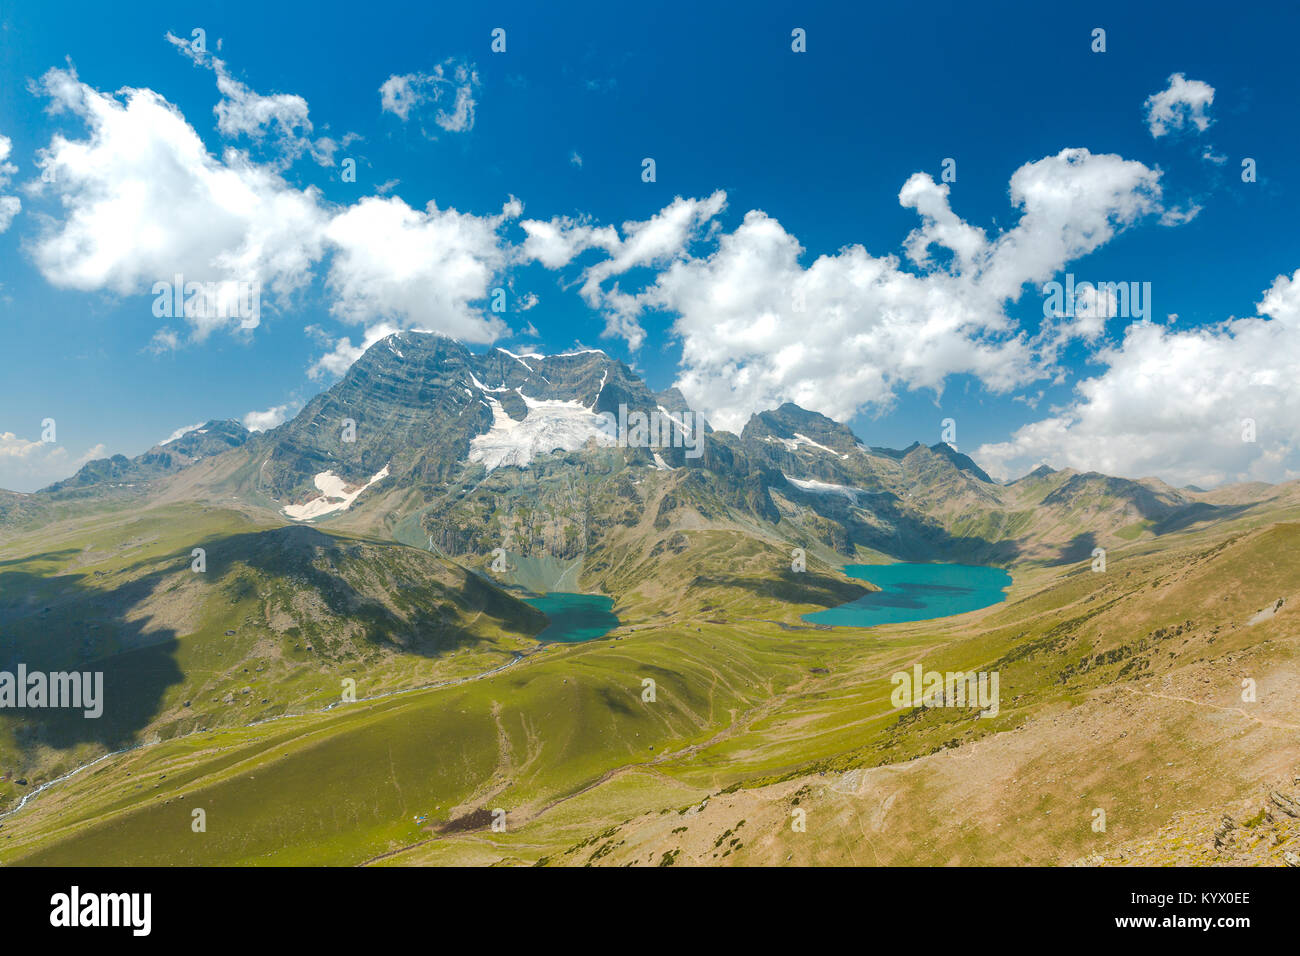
x: 540, y: 454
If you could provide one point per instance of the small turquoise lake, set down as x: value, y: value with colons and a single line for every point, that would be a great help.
x: 575, y: 617
x: 916, y: 592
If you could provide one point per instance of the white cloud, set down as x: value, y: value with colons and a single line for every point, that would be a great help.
x: 244, y: 112
x: 657, y: 241
x: 1183, y: 102
x: 575, y: 159
x: 144, y: 201
x: 452, y: 84
x: 263, y: 421
x: 1172, y: 404
x: 183, y: 430
x: 406, y: 267
x: 1179, y: 216
x: 28, y: 465
x: 849, y: 330
x: 661, y: 238
x: 399, y: 95
x: 757, y: 329
x: 164, y: 340
x: 555, y: 243
x: 1071, y: 204
x: 10, y: 206
x: 1086, y: 319
x: 340, y: 358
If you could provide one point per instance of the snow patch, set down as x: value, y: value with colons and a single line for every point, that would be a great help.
x: 673, y: 418
x: 483, y: 388
x: 804, y: 439
x: 334, y: 496
x: 549, y: 424
x: 517, y: 358
x: 825, y: 488
x: 792, y: 444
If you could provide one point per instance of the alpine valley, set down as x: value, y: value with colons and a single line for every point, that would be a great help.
x: 325, y: 637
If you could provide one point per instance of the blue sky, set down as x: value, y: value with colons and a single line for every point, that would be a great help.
x: 814, y: 147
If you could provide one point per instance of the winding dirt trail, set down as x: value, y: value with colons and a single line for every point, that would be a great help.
x: 1263, y: 721
x: 452, y: 682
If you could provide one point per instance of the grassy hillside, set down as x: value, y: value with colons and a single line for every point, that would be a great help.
x: 227, y: 688
x: 278, y: 618
x: 1117, y: 691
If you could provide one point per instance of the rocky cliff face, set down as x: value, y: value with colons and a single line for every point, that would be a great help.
x: 163, y: 460
x: 550, y: 456
x: 431, y: 411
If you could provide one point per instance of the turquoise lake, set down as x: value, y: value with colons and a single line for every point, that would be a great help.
x: 916, y: 592
x: 575, y: 617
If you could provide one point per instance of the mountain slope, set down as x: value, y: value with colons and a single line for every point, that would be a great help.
x: 397, y: 561
x: 273, y: 621
x: 1118, y: 690
x: 428, y: 443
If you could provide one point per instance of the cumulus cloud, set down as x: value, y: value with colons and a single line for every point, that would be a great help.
x: 1175, y: 404
x: 849, y: 330
x: 451, y: 85
x: 556, y: 242
x: 1071, y: 204
x: 183, y: 430
x: 270, y: 418
x: 758, y: 329
x: 657, y: 241
x: 164, y: 340
x: 1084, y: 318
x: 343, y: 353
x: 1182, y: 103
x: 28, y: 465
x: 408, y: 267
x: 10, y: 206
x: 1180, y: 215
x: 143, y: 201
x: 242, y: 112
